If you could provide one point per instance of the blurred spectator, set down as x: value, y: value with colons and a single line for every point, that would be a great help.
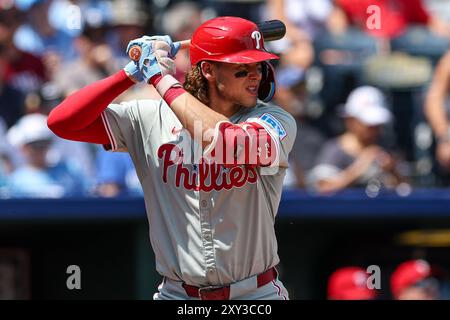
x: 116, y: 175
x: 355, y: 159
x: 358, y: 51
x: 304, y: 153
x: 38, y: 177
x: 395, y: 16
x: 43, y: 102
x: 416, y: 280
x: 11, y: 102
x: 310, y: 137
x: 409, y: 40
x: 304, y: 20
x: 247, y: 9
x: 3, y: 175
x: 403, y: 25
x: 350, y: 283
x: 39, y: 37
x: 22, y: 71
x: 6, y: 163
x: 340, y: 51
x: 437, y: 111
x: 129, y: 20
x: 9, y: 155
x: 72, y: 16
x: 95, y: 61
x: 180, y: 21
x: 439, y: 8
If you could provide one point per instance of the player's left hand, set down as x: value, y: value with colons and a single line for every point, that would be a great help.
x: 156, y: 55
x: 157, y: 61
x: 145, y: 42
x: 133, y: 72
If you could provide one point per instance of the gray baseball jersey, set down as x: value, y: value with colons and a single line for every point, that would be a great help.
x: 209, y: 225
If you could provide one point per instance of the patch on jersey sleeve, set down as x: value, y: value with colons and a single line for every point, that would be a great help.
x: 275, y: 124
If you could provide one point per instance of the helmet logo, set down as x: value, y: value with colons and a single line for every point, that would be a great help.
x: 257, y: 36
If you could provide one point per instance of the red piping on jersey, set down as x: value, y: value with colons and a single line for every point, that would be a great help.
x: 78, y: 117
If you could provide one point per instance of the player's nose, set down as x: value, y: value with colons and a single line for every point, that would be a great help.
x: 255, y: 73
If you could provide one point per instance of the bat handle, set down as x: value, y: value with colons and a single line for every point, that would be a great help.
x: 135, y: 51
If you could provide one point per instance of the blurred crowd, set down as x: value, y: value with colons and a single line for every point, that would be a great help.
x: 367, y: 81
x: 415, y: 279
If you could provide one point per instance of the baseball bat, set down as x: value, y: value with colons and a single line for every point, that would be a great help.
x: 271, y: 30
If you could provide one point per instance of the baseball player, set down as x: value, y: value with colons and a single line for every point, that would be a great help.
x: 211, y: 213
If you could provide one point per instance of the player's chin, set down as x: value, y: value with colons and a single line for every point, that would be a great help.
x: 249, y: 103
x: 249, y: 100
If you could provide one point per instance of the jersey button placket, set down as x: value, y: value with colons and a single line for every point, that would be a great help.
x: 207, y: 236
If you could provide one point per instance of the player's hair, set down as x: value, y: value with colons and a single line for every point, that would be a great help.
x: 196, y: 84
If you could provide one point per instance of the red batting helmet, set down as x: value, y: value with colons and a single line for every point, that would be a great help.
x: 233, y: 40
x: 350, y: 283
x: 410, y: 272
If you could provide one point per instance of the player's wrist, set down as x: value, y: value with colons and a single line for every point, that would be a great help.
x: 172, y: 94
x: 130, y: 76
x: 154, y: 80
x: 168, y: 87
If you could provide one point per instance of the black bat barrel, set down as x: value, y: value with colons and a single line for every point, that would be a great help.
x: 272, y: 29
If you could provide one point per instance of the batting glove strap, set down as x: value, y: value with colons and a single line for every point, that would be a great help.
x: 133, y: 72
x: 156, y: 60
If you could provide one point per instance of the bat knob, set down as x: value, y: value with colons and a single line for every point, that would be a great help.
x: 135, y: 53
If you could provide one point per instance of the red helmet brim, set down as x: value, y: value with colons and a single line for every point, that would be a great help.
x: 246, y: 56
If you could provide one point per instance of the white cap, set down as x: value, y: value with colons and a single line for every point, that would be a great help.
x: 30, y: 128
x: 368, y: 106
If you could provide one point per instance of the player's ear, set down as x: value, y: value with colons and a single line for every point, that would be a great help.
x: 207, y: 70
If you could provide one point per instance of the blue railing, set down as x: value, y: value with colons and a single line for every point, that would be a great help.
x: 432, y: 203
